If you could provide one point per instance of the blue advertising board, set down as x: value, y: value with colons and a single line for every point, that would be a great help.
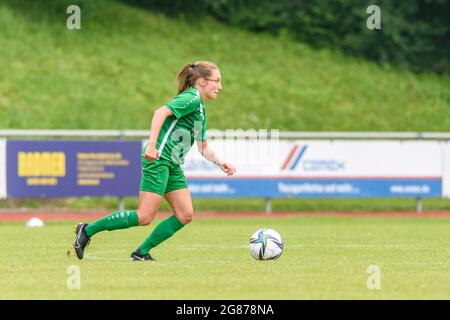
x: 73, y: 168
x: 316, y: 188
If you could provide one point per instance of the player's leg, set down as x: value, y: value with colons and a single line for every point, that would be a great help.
x: 149, y: 203
x: 117, y: 220
x: 178, y: 196
x: 153, y: 184
x: 180, y: 200
x: 181, y: 203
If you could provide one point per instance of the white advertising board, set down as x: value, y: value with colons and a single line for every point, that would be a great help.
x: 325, y: 159
x: 318, y: 168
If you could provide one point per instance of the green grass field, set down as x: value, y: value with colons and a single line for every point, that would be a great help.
x: 324, y: 258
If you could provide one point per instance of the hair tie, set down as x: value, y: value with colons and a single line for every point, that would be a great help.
x: 192, y: 65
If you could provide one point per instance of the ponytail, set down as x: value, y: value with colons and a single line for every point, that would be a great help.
x: 188, y: 76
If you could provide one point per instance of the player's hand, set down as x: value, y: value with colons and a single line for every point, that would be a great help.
x: 229, y: 169
x: 151, y: 154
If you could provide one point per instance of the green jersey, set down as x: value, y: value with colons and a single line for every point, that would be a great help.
x: 187, y: 124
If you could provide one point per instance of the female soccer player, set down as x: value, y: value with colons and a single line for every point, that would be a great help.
x: 173, y: 130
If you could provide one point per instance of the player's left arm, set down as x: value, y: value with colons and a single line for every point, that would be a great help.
x: 209, y: 154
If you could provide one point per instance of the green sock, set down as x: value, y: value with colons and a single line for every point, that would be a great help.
x: 164, y: 230
x: 116, y: 220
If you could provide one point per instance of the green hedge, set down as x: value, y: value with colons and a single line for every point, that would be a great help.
x: 414, y: 33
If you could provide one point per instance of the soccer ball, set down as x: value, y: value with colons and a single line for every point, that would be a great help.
x: 266, y: 244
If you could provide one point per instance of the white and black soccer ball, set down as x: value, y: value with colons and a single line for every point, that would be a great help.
x: 266, y: 244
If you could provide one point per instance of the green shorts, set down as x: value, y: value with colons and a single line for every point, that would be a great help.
x: 161, y: 176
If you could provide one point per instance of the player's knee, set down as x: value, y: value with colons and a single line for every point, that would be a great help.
x: 144, y: 221
x: 145, y: 217
x: 186, y: 217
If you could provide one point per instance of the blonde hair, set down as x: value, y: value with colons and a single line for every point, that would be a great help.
x: 192, y: 71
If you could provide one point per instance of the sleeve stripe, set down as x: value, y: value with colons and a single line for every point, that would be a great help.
x: 163, y: 143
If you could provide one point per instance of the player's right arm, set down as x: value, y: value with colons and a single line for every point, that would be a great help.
x: 209, y: 154
x: 159, y: 116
